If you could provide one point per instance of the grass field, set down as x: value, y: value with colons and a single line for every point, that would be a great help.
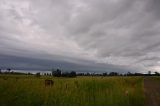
x: 80, y: 91
x: 156, y: 78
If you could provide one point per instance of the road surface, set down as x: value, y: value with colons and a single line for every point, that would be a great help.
x: 152, y: 91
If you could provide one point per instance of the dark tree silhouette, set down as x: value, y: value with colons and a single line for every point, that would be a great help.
x: 157, y: 73
x: 38, y: 74
x: 130, y: 74
x: 149, y: 73
x: 8, y: 69
x: 73, y: 74
x: 105, y: 74
x: 69, y: 74
x: 113, y: 74
x: 56, y: 73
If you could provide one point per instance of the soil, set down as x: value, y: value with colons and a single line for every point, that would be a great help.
x: 152, y: 91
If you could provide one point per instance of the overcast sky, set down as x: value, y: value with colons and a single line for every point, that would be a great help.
x: 98, y: 35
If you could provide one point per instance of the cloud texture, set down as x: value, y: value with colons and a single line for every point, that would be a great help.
x: 93, y: 34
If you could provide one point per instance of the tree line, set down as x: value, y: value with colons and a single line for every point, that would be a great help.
x: 60, y: 73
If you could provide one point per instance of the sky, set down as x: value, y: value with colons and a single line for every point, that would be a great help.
x: 81, y: 35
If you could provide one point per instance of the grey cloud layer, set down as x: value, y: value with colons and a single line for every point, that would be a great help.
x: 118, y: 32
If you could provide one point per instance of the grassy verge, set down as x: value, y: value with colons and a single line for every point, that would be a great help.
x: 80, y: 91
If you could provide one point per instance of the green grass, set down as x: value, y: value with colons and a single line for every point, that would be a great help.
x: 156, y: 78
x: 80, y: 91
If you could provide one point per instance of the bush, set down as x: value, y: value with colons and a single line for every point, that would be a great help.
x: 38, y: 74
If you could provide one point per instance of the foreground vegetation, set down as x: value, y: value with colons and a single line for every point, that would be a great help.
x: 156, y: 78
x: 19, y: 90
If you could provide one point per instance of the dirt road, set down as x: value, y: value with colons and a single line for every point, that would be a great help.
x: 152, y: 91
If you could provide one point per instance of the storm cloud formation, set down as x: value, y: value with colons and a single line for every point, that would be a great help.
x: 99, y: 35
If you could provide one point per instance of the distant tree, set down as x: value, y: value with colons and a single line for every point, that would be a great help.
x: 8, y: 69
x: 65, y: 74
x: 87, y: 74
x: 129, y: 74
x: 69, y: 74
x: 38, y: 74
x: 73, y: 74
x: 29, y: 73
x: 80, y: 74
x: 120, y: 74
x: 138, y: 74
x: 149, y: 72
x: 105, y: 74
x: 56, y: 73
x: 0, y: 71
x: 113, y: 74
x: 157, y: 73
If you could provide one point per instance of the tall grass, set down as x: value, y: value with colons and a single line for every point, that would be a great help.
x: 80, y: 91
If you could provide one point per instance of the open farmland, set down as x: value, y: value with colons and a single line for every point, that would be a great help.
x: 81, y: 91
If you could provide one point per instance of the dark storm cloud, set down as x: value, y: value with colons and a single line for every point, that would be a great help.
x: 112, y: 33
x: 24, y: 63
